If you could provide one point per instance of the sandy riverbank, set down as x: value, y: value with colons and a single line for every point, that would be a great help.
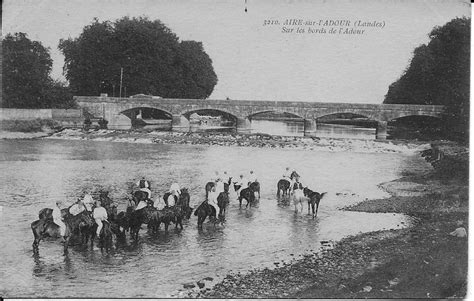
x: 253, y: 140
x: 422, y: 261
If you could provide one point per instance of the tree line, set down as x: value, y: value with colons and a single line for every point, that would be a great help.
x: 146, y: 56
x: 439, y: 74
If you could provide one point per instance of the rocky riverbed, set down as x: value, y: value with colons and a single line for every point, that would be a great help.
x: 244, y: 140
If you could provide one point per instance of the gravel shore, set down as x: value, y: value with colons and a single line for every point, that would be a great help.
x: 242, y: 140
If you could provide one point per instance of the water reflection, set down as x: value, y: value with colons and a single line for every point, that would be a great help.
x: 296, y: 128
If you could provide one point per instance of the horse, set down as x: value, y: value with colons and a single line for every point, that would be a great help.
x: 105, y: 237
x: 248, y: 194
x: 209, y: 186
x: 139, y: 196
x: 313, y: 199
x: 156, y: 218
x: 46, y: 213
x: 203, y: 211
x: 122, y: 221
x: 298, y: 197
x: 255, y: 186
x: 47, y: 228
x: 223, y: 201
x: 136, y: 219
x: 284, y: 185
x: 183, y: 202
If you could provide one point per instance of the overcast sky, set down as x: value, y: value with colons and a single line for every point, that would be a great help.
x: 256, y: 62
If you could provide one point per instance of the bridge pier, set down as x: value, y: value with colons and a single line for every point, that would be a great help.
x: 243, y: 125
x: 310, y: 127
x: 381, y: 132
x: 179, y: 123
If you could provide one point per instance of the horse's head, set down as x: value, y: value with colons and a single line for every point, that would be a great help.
x: 294, y: 175
x: 307, y: 192
x: 226, y: 187
x: 184, y: 190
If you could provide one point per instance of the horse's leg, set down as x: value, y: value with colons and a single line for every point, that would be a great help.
x: 310, y: 203
x: 317, y: 206
x: 66, y: 244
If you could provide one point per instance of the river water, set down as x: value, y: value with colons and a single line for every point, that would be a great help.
x: 36, y: 173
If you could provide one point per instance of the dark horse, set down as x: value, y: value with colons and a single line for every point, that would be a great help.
x: 47, y: 228
x: 313, y: 199
x: 105, y: 237
x: 203, y: 211
x: 223, y: 201
x: 139, y: 196
x: 183, y: 203
x: 48, y: 213
x: 249, y: 195
x: 255, y: 186
x: 284, y: 185
x: 136, y: 219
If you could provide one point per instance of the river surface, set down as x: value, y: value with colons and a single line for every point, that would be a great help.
x: 36, y: 173
x: 286, y: 128
x: 296, y: 128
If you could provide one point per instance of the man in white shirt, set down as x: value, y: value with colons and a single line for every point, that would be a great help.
x: 252, y: 177
x: 58, y: 219
x: 100, y: 215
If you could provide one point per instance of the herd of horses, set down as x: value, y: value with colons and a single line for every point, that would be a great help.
x: 83, y: 227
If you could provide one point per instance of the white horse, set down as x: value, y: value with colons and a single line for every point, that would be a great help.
x: 298, y: 197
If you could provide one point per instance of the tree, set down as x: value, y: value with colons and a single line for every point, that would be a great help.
x: 439, y: 74
x: 153, y: 59
x: 26, y: 68
x: 59, y: 95
x: 26, y: 76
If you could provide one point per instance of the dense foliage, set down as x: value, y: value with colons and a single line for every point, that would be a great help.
x: 26, y: 75
x: 439, y: 74
x: 154, y: 61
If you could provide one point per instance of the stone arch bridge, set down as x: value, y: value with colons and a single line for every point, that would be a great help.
x: 178, y: 110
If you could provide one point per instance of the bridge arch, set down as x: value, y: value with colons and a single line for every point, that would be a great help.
x: 152, y: 111
x: 145, y: 115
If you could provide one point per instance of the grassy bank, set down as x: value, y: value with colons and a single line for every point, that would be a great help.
x: 29, y: 126
x: 422, y: 261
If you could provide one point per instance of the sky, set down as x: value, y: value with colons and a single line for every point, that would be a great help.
x: 254, y: 61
